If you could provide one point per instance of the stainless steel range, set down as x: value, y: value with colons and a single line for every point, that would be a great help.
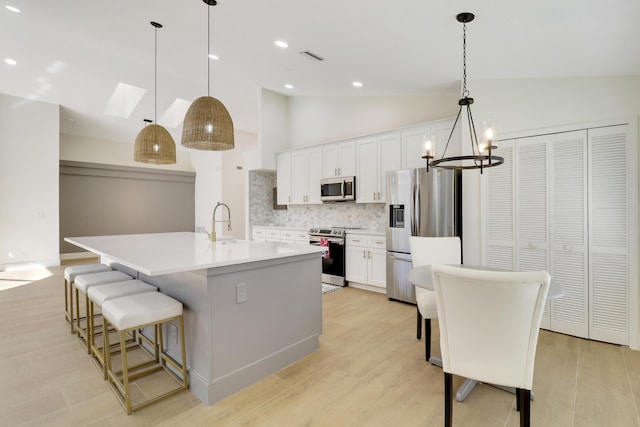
x: 333, y: 255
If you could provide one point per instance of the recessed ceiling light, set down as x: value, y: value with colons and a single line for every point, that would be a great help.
x: 281, y: 44
x: 288, y: 86
x: 357, y: 84
x: 10, y: 61
x: 13, y: 9
x: 212, y: 56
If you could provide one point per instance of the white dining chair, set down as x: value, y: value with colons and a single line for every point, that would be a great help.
x: 489, y: 324
x: 427, y: 251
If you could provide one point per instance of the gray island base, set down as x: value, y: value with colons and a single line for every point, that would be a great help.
x: 251, y: 308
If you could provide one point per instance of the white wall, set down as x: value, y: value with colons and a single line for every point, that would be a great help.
x: 531, y: 104
x: 316, y: 120
x: 83, y: 149
x: 273, y: 122
x: 233, y: 190
x: 29, y: 143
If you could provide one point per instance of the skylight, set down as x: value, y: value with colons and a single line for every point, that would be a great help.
x: 124, y: 100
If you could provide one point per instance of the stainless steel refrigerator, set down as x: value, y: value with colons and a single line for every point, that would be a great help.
x: 419, y: 203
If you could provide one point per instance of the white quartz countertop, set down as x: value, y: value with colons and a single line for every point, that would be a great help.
x: 369, y: 231
x: 282, y: 227
x: 163, y: 253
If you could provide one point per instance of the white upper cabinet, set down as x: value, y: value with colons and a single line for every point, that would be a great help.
x: 339, y: 159
x: 305, y: 176
x: 283, y: 178
x: 414, y: 139
x: 375, y: 156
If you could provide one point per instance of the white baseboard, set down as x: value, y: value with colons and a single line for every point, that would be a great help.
x: 368, y: 287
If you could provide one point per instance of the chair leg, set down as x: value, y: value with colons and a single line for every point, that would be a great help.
x: 427, y: 339
x: 518, y: 398
x: 448, y: 399
x: 525, y: 408
x: 419, y: 323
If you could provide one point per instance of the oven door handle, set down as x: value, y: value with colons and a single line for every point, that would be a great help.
x: 316, y: 240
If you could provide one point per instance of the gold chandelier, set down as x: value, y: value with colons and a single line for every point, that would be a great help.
x: 154, y: 143
x: 207, y: 124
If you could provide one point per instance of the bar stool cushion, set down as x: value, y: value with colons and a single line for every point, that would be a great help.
x: 141, y: 309
x: 85, y: 281
x: 71, y: 272
x: 102, y: 293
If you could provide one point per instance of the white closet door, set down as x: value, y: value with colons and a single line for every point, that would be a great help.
x: 568, y: 207
x: 532, y: 207
x: 500, y: 210
x: 609, y: 233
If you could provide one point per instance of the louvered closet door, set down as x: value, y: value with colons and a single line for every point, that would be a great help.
x: 568, y: 237
x: 500, y: 210
x: 609, y: 229
x: 532, y: 216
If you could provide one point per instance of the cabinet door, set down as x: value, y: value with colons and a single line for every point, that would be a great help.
x: 413, y: 147
x: 299, y: 176
x: 500, y: 230
x: 347, y: 157
x: 330, y: 160
x: 568, y: 237
x: 283, y: 178
x: 389, y: 159
x: 367, y: 182
x: 532, y: 216
x: 609, y: 192
x: 377, y: 267
x: 357, y: 265
x: 314, y: 156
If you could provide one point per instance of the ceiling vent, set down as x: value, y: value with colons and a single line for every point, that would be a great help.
x: 313, y: 56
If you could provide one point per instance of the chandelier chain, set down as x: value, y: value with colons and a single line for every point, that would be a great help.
x: 465, y: 92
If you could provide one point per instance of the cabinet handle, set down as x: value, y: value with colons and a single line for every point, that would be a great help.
x: 567, y: 247
x: 289, y: 199
x: 364, y: 254
x: 369, y: 254
x: 533, y: 245
x: 378, y: 241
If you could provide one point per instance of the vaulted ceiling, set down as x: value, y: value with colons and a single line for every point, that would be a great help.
x: 76, y: 52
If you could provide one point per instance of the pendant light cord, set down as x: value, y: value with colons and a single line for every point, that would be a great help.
x: 208, y: 51
x: 155, y: 78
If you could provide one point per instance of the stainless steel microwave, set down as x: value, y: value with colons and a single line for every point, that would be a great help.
x: 342, y: 189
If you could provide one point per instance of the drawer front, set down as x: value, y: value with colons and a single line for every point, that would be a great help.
x: 259, y: 232
x: 357, y: 240
x: 273, y: 234
x: 288, y: 235
x: 377, y: 242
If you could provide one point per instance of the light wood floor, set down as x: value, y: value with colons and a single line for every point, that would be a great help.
x: 369, y: 371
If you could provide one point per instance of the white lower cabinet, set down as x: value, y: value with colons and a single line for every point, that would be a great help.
x: 275, y: 234
x: 366, y: 261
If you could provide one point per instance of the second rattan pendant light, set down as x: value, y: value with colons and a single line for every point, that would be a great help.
x: 154, y: 143
x: 207, y: 124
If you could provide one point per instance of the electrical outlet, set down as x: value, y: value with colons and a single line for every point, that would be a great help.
x: 241, y: 293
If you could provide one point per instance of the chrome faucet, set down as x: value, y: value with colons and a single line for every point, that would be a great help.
x: 213, y: 220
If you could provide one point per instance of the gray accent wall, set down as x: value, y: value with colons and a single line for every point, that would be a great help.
x: 99, y: 199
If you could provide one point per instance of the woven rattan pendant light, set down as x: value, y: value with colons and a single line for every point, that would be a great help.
x: 154, y: 143
x: 207, y: 124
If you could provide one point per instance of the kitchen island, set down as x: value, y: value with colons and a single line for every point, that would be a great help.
x: 250, y: 308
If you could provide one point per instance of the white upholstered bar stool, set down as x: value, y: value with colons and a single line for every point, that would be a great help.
x: 126, y: 314
x: 100, y: 294
x: 82, y: 285
x: 427, y: 251
x: 70, y: 274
